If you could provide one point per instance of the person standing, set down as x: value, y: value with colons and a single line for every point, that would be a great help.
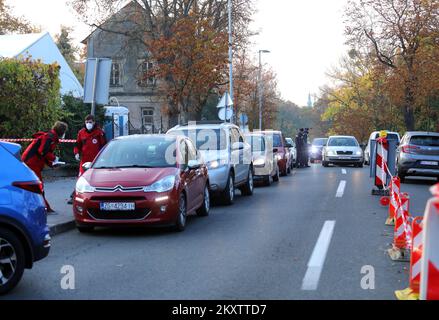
x: 41, y: 151
x: 299, y: 146
x: 305, y: 148
x: 91, y: 139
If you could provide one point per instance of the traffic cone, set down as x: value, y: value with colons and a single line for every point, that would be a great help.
x: 429, y: 288
x: 412, y: 292
x: 395, y: 187
x: 402, y: 234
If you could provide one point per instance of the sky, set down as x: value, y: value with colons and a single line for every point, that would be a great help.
x: 305, y: 37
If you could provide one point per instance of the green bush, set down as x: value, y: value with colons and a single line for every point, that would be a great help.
x: 29, y: 97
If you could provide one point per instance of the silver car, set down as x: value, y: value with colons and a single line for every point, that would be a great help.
x: 293, y: 152
x: 342, y: 150
x: 227, y: 155
x: 264, y: 159
x: 418, y: 155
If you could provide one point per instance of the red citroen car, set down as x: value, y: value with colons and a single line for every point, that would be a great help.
x: 142, y: 180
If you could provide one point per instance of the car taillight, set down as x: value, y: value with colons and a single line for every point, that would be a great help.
x: 32, y: 186
x: 409, y: 149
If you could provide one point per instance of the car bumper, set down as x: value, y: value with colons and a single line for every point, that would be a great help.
x: 352, y: 159
x: 218, y: 178
x: 149, y: 211
x: 42, y: 251
x: 261, y: 173
x: 315, y: 156
x: 415, y: 167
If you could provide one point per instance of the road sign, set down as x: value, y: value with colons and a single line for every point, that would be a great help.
x: 225, y: 101
x: 243, y: 118
x: 97, y: 80
x: 222, y: 113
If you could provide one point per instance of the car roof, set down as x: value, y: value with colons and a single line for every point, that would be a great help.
x: 146, y: 136
x: 254, y: 134
x: 387, y: 131
x: 204, y: 126
x: 352, y: 137
x: 422, y: 133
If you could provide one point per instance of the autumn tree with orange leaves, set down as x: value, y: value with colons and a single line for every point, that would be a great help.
x: 187, y: 40
x: 192, y: 60
x: 403, y: 37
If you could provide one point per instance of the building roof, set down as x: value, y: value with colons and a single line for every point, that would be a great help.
x: 129, y: 8
x: 41, y: 46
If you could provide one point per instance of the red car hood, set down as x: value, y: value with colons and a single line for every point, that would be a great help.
x: 132, y: 177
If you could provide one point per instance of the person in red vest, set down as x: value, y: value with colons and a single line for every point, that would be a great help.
x: 91, y: 139
x: 41, y: 151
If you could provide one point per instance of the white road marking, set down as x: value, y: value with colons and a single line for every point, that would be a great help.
x: 315, y: 265
x: 343, y: 171
x: 340, y: 190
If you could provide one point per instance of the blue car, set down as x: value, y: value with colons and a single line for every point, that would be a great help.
x: 24, y: 234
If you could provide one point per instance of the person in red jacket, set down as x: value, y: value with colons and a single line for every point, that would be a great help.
x: 90, y: 141
x: 41, y: 151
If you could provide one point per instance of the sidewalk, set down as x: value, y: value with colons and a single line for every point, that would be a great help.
x: 58, y: 192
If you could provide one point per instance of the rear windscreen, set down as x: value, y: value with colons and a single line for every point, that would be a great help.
x: 319, y: 142
x: 425, y: 141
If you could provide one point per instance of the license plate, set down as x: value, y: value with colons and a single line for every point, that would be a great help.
x: 118, y: 206
x: 429, y: 163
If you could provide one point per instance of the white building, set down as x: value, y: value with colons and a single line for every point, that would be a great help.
x: 41, y: 46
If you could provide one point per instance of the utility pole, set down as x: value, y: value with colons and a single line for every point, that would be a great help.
x: 230, y: 59
x: 260, y: 87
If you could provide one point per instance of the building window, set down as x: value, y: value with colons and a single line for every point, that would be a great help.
x: 116, y: 74
x: 148, y: 120
x: 144, y: 68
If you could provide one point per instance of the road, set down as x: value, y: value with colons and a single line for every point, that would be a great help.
x: 260, y: 248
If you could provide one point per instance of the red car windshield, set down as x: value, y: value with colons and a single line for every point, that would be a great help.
x: 151, y: 152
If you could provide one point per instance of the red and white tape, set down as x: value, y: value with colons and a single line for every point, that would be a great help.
x: 30, y: 140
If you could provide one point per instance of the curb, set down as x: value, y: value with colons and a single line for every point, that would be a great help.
x: 62, y: 227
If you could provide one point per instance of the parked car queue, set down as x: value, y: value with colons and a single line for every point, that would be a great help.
x: 161, y: 179
x: 141, y: 180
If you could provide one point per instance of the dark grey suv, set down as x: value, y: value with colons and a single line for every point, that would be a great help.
x: 418, y: 155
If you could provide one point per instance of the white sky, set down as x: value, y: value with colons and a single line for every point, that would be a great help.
x: 305, y: 37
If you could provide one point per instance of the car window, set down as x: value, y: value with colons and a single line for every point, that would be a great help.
x: 257, y: 143
x: 342, y: 142
x: 392, y: 136
x: 205, y: 139
x: 152, y: 152
x: 319, y: 142
x: 235, y: 136
x: 192, y: 151
x: 277, y: 140
x: 425, y: 141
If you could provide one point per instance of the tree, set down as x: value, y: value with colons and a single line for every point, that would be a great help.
x: 12, y: 24
x: 67, y: 48
x: 157, y: 22
x: 29, y: 97
x: 191, y: 59
x: 396, y: 32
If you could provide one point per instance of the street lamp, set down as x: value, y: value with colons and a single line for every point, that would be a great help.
x: 260, y: 87
x: 229, y: 9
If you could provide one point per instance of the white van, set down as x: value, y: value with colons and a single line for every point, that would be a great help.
x: 375, y: 135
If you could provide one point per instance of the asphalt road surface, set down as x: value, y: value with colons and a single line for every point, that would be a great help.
x: 307, y: 237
